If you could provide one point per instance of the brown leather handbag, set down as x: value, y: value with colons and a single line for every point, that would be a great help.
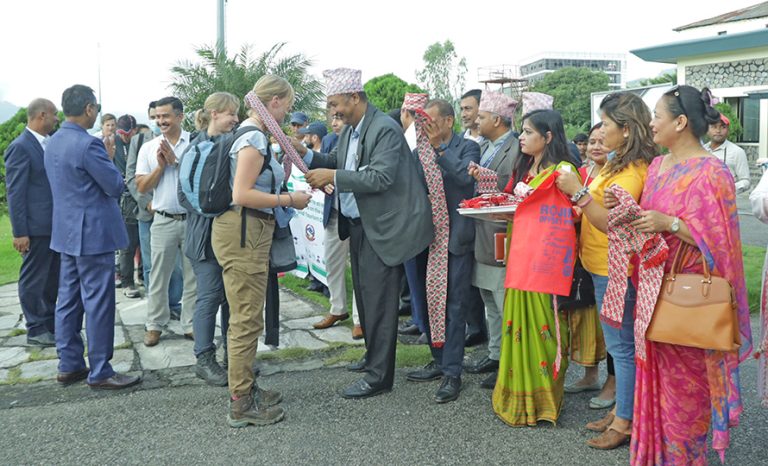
x: 697, y: 310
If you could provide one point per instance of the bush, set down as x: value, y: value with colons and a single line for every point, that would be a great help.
x: 9, y: 131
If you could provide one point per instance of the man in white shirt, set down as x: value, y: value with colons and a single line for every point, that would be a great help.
x: 157, y: 170
x: 470, y: 104
x: 729, y: 153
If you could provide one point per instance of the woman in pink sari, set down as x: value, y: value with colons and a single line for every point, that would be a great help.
x: 689, y: 196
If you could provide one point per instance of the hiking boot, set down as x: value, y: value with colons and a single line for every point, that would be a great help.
x: 244, y: 411
x: 266, y: 398
x: 209, y: 370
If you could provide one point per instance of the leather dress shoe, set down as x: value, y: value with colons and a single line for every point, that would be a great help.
x: 362, y: 389
x: 490, y: 381
x: 44, y: 339
x: 151, y: 337
x: 68, y: 378
x: 449, y: 389
x: 329, y: 320
x: 474, y: 340
x: 116, y: 382
x: 411, y: 329
x: 484, y: 366
x: 426, y: 374
x: 357, y: 366
x: 422, y: 340
x: 357, y: 332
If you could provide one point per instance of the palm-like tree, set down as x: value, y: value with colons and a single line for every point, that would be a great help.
x: 193, y: 82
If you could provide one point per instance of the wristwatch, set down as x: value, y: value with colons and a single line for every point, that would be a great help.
x: 441, y: 148
x: 675, y: 227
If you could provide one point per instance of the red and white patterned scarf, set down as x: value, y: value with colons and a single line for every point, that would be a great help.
x: 624, y: 241
x: 437, y: 262
x: 291, y: 156
x: 487, y: 181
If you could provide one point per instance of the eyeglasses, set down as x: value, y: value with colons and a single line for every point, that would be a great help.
x: 98, y: 107
x: 676, y: 92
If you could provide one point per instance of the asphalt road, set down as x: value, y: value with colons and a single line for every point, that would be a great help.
x: 187, y: 425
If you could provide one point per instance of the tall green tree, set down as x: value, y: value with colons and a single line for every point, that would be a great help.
x: 9, y: 131
x: 386, y: 92
x: 663, y: 79
x: 571, y: 89
x: 194, y: 82
x: 444, y: 73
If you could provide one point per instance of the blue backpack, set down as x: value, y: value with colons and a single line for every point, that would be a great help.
x: 204, y: 172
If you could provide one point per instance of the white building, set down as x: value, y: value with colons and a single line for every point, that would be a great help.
x: 613, y: 64
x: 729, y: 54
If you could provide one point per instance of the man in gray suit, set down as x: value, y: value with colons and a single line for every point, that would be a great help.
x: 453, y: 155
x: 499, y: 152
x: 383, y: 209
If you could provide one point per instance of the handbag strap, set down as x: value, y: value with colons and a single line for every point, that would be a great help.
x: 681, y: 253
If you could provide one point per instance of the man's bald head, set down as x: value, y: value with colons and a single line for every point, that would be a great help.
x: 41, y: 116
x: 38, y: 106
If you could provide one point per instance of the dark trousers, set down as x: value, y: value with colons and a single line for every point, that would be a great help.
x: 377, y: 291
x: 127, y: 256
x: 415, y: 271
x: 272, y: 311
x: 210, y: 295
x: 86, y: 287
x: 451, y: 355
x: 475, y: 313
x: 38, y: 285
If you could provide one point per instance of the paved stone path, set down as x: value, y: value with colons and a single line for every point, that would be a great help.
x: 20, y: 362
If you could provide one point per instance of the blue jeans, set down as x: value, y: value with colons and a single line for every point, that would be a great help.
x: 620, y: 343
x: 210, y: 294
x: 176, y: 287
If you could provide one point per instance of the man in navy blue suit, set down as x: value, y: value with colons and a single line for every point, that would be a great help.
x: 453, y: 154
x: 30, y: 206
x: 87, y: 229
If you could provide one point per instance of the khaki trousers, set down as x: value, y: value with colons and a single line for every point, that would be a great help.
x: 245, y: 282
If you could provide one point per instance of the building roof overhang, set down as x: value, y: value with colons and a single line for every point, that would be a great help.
x: 672, y: 52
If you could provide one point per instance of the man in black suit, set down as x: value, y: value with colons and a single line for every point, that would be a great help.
x: 453, y: 154
x: 30, y: 205
x: 383, y: 209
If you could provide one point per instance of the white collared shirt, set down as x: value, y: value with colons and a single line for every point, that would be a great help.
x: 410, y: 137
x: 43, y: 140
x: 735, y: 159
x: 478, y: 139
x: 165, y: 193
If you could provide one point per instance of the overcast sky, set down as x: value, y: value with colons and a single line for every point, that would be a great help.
x: 49, y: 45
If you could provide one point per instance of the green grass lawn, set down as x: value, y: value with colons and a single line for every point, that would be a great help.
x: 10, y: 260
x: 753, y: 270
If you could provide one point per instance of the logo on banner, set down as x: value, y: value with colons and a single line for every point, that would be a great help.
x: 309, y: 232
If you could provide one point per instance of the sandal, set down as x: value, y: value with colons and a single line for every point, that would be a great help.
x: 602, y: 424
x: 609, y: 440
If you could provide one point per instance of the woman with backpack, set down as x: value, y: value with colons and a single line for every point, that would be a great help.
x: 241, y: 242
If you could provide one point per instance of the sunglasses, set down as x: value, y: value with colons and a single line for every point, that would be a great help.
x: 675, y: 91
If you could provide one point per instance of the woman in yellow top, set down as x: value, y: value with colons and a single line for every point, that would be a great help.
x: 626, y: 132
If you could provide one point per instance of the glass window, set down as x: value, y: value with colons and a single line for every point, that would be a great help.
x: 750, y: 119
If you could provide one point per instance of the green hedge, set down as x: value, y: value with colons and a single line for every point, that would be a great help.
x: 9, y: 131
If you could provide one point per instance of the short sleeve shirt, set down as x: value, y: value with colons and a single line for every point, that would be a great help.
x: 258, y: 141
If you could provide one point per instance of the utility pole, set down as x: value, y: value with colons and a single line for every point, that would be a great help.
x: 220, y: 31
x: 98, y: 69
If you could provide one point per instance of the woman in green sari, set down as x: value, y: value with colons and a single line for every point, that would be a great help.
x: 529, y: 387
